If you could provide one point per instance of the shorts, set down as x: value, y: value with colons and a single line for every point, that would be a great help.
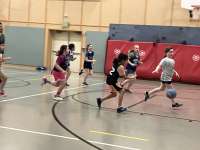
x: 58, y: 75
x: 166, y: 82
x: 87, y: 65
x: 110, y: 81
x: 130, y: 69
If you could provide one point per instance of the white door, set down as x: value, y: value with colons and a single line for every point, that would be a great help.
x: 63, y: 37
x: 58, y: 39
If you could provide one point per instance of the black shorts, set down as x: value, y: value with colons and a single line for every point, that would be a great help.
x: 130, y: 69
x: 166, y: 82
x: 87, y: 65
x: 110, y: 81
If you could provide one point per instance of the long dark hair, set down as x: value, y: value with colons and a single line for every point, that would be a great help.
x: 121, y: 57
x: 63, y: 48
x: 167, y: 50
x: 71, y: 46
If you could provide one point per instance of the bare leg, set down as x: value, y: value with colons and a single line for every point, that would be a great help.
x: 87, y: 72
x: 3, y: 78
x: 60, y: 88
x: 68, y: 74
x: 160, y: 88
x: 112, y: 94
x: 120, y: 99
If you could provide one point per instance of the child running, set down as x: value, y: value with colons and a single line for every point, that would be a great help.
x: 118, y: 71
x: 167, y: 64
x: 88, y: 63
x: 59, y: 73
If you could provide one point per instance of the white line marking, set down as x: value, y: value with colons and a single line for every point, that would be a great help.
x: 32, y: 73
x: 33, y: 79
x: 65, y: 137
x: 45, y: 93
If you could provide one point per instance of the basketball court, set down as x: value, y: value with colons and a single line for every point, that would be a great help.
x: 28, y: 116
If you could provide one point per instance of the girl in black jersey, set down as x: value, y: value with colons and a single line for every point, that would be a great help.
x: 88, y: 63
x: 118, y: 71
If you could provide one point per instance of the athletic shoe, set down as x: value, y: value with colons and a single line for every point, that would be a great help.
x: 81, y: 72
x: 57, y: 98
x: 99, y: 102
x: 121, y: 109
x: 176, y: 105
x: 146, y: 96
x: 44, y: 81
x: 85, y: 83
x: 2, y: 93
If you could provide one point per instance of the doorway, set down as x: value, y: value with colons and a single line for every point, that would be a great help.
x: 60, y: 37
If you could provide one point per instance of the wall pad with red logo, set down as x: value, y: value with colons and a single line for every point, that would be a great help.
x: 187, y: 58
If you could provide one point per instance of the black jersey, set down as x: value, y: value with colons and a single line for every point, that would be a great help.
x: 2, y: 38
x: 2, y: 41
x: 114, y: 74
x: 113, y: 77
x: 134, y: 58
x: 89, y: 55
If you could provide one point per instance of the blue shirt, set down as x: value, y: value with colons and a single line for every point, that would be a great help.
x: 89, y: 55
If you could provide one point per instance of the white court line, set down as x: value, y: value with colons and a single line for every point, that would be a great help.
x: 33, y: 79
x: 65, y: 137
x: 33, y: 73
x: 45, y: 93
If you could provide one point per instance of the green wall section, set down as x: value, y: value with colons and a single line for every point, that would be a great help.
x: 99, y: 42
x: 25, y: 45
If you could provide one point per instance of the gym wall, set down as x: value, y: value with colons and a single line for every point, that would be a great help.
x: 91, y: 15
x: 25, y: 45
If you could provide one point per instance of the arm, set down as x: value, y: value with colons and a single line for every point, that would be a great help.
x: 3, y: 59
x: 176, y: 73
x: 58, y: 62
x: 121, y: 71
x: 132, y: 64
x: 59, y: 68
x: 158, y: 67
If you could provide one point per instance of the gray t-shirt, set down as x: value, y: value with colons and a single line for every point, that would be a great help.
x: 167, y: 65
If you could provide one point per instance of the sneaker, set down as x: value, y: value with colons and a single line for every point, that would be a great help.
x: 146, y: 96
x: 2, y: 93
x: 176, y: 105
x: 121, y: 109
x: 85, y: 83
x: 57, y: 98
x: 99, y: 102
x: 81, y: 72
x: 44, y: 81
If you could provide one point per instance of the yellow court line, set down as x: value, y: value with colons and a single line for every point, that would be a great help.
x: 117, y: 135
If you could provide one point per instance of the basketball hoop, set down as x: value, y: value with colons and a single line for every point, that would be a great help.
x: 196, y: 12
